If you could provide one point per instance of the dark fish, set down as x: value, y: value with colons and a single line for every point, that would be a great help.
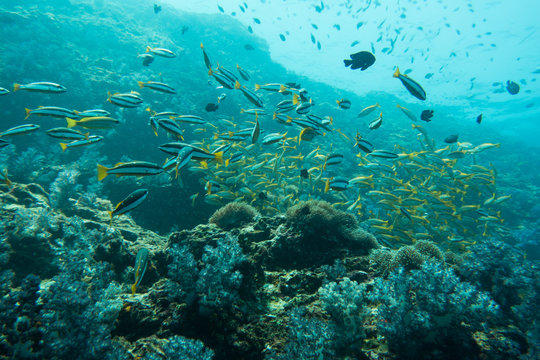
x: 304, y: 173
x: 257, y: 21
x: 210, y: 107
x: 249, y: 47
x: 262, y: 196
x: 362, y: 144
x: 157, y: 8
x: 354, y: 43
x: 412, y: 86
x: 426, y: 115
x: 318, y: 45
x: 282, y: 37
x: 344, y: 104
x: 184, y: 29
x: 220, y: 9
x: 147, y: 59
x: 451, y: 139
x: 479, y: 119
x: 512, y: 87
x: 360, y: 60
x: 313, y: 39
x: 250, y: 29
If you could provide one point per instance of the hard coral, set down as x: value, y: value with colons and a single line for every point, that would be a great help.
x: 319, y: 217
x: 429, y: 250
x: 233, y: 215
x: 408, y: 257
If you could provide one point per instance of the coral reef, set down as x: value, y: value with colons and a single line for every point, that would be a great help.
x: 429, y: 313
x: 232, y: 215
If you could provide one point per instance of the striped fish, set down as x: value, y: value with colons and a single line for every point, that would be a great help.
x: 66, y: 134
x: 127, y: 100
x: 368, y: 110
x: 243, y: 73
x: 19, y: 130
x: 190, y: 119
x: 93, y: 113
x: 3, y: 91
x: 273, y: 138
x: 4, y: 143
x: 383, y: 154
x: 207, y: 61
x: 256, y: 131
x: 161, y: 52
x: 158, y: 86
x: 141, y: 263
x: 227, y: 73
x: 338, y: 183
x: 222, y: 79
x: 98, y: 122
x: 412, y: 86
x: 53, y: 111
x: 130, y: 202
x: 131, y: 168
x: 44, y: 87
x: 171, y: 127
x: 83, y: 142
x: 174, y: 148
x: 250, y: 95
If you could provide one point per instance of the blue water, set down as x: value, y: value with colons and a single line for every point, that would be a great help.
x: 480, y: 205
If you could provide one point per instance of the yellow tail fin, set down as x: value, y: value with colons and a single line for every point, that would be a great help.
x: 16, y: 87
x: 28, y: 111
x: 71, y: 122
x: 327, y: 186
x: 257, y: 87
x: 102, y: 172
x: 237, y: 85
x: 396, y: 73
x: 148, y: 49
x: 219, y: 157
x: 134, y: 286
x: 295, y: 99
x: 63, y: 146
x: 141, y: 84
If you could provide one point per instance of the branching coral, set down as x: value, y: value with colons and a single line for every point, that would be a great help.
x: 430, y: 308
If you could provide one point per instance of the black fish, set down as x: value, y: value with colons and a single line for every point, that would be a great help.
x: 512, y: 87
x: 263, y: 196
x: 157, y: 8
x: 184, y: 29
x: 304, y: 173
x: 363, y: 145
x: 147, y: 59
x: 293, y: 85
x: 479, y: 119
x: 426, y: 115
x: 211, y: 107
x: 249, y: 47
x: 360, y: 60
x: 451, y: 139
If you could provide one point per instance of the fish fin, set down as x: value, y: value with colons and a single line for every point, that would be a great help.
x: 27, y: 113
x: 327, y: 186
x: 257, y: 86
x: 86, y: 135
x: 109, y: 94
x: 63, y: 146
x: 237, y: 85
x: 71, y: 122
x: 133, y: 289
x: 282, y: 88
x: 227, y: 162
x: 396, y: 73
x: 141, y: 84
x: 204, y: 164
x: 295, y: 99
x: 16, y: 87
x: 8, y: 182
x: 219, y: 157
x: 202, y: 46
x: 102, y: 172
x: 148, y: 49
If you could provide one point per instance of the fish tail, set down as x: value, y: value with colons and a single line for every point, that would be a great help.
x: 71, y: 122
x: 134, y: 286
x: 27, y: 113
x: 257, y: 87
x: 148, y: 49
x: 347, y: 62
x: 237, y: 85
x: 86, y: 135
x: 202, y: 46
x: 327, y: 186
x: 396, y: 73
x: 227, y: 162
x: 102, y: 172
x: 109, y: 96
x: 141, y: 84
x: 282, y: 88
x: 219, y: 157
x: 8, y: 182
x: 16, y: 87
x: 295, y: 99
x: 63, y: 146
